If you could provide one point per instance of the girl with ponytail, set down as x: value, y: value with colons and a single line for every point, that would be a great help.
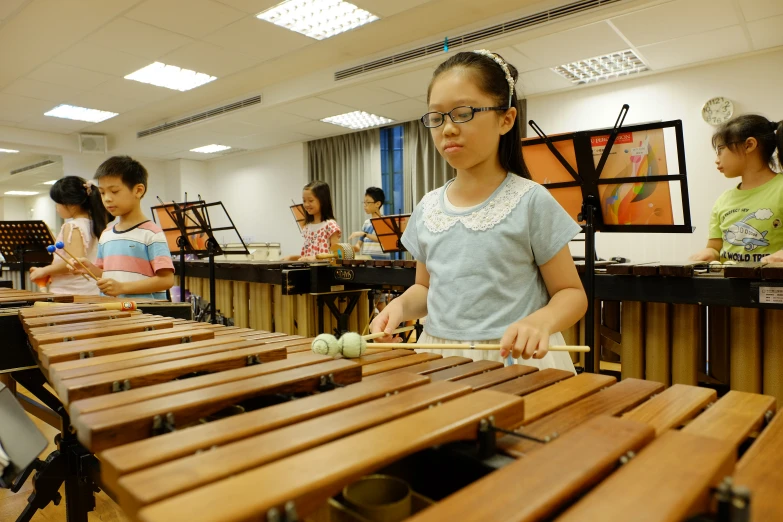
x: 746, y: 224
x: 491, y: 246
x: 78, y: 202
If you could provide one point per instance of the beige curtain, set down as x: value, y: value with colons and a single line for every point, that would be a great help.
x: 424, y: 168
x: 349, y: 164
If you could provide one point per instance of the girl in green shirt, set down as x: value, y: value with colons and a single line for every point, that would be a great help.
x: 746, y: 223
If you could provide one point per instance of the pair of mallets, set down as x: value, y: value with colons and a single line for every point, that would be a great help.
x: 53, y: 249
x: 351, y: 345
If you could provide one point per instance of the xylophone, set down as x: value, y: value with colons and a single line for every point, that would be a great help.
x: 694, y: 323
x: 280, y: 296
x: 246, y: 425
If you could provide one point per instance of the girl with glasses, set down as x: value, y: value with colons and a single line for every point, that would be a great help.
x: 491, y: 246
x: 745, y: 220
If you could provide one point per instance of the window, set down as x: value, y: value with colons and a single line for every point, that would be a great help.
x: 391, y: 169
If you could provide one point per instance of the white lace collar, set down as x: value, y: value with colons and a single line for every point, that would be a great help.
x: 494, y: 210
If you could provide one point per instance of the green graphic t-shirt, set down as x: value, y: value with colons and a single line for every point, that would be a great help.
x: 749, y: 222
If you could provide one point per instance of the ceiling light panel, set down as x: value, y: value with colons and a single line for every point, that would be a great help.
x: 318, y: 19
x: 615, y: 65
x: 72, y: 112
x: 170, y: 77
x: 8, y: 151
x: 20, y: 193
x: 357, y: 120
x: 210, y: 149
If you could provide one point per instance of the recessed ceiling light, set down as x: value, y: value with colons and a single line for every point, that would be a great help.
x: 20, y: 193
x: 209, y: 149
x: 9, y: 151
x: 51, y: 182
x: 170, y: 77
x: 603, y: 67
x: 71, y: 112
x: 317, y: 19
x: 357, y: 120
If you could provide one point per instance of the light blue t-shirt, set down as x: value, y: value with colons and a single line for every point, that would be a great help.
x: 483, y: 262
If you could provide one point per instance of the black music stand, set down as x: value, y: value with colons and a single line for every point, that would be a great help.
x: 297, y: 209
x: 193, y: 229
x: 587, y: 178
x: 389, y: 230
x: 25, y: 241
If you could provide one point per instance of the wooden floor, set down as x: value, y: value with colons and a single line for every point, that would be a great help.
x: 12, y: 504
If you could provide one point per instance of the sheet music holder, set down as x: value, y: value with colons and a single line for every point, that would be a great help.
x: 299, y: 215
x: 24, y: 242
x: 389, y: 230
x: 190, y: 228
x: 613, y: 180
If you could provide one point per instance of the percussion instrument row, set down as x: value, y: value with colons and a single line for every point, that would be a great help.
x: 233, y: 424
x: 688, y: 323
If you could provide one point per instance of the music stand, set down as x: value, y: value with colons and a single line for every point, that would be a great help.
x: 191, y: 230
x: 25, y: 241
x: 299, y: 215
x: 634, y: 195
x: 389, y: 230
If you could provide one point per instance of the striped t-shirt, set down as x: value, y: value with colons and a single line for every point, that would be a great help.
x: 134, y: 255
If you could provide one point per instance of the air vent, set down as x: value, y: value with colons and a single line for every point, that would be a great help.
x: 476, y: 36
x: 255, y: 100
x: 31, y: 167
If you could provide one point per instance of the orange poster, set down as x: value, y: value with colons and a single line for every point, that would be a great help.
x: 634, y: 155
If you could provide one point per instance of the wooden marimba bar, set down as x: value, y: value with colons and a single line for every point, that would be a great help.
x: 594, y: 449
x: 693, y: 323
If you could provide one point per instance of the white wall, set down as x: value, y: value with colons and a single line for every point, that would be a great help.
x: 41, y: 207
x: 256, y: 190
x: 15, y: 209
x: 195, y: 179
x: 752, y: 83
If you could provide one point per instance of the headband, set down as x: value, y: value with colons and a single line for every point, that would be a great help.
x: 503, y: 65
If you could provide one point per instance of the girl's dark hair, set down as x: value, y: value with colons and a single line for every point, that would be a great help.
x: 70, y: 190
x: 739, y: 129
x: 492, y: 80
x: 376, y: 194
x: 322, y: 193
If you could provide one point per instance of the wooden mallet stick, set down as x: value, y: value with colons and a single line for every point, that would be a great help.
x: 467, y: 346
x: 61, y: 245
x: 123, y: 306
x: 382, y: 334
x: 52, y: 250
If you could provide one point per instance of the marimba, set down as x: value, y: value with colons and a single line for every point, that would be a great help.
x: 692, y: 323
x: 244, y: 425
x: 279, y: 296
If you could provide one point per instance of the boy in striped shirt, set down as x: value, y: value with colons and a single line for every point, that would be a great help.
x: 133, y: 257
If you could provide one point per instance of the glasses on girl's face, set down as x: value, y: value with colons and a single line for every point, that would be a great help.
x: 462, y: 114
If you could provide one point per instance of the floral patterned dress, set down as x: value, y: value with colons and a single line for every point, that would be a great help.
x: 316, y: 237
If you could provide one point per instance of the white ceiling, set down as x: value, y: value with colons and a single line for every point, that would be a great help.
x: 78, y: 51
x: 33, y: 180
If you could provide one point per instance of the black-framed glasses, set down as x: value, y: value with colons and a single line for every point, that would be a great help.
x: 720, y: 148
x: 462, y: 114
